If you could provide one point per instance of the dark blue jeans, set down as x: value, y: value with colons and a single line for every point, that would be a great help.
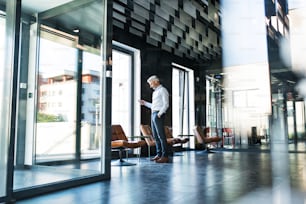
x: 159, y: 135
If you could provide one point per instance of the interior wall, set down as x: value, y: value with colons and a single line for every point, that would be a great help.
x: 154, y: 61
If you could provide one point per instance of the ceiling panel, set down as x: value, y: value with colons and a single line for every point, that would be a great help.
x: 176, y: 26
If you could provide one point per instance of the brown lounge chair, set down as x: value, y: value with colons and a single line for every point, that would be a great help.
x: 204, y: 139
x: 148, y: 136
x: 121, y: 143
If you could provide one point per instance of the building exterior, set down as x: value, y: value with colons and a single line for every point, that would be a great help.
x: 64, y: 85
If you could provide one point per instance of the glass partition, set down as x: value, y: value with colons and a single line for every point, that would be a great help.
x: 55, y: 134
x: 90, y: 116
x: 61, y: 138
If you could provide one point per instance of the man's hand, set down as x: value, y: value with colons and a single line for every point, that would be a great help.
x: 142, y: 102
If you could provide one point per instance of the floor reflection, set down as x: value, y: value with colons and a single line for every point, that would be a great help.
x: 227, y: 176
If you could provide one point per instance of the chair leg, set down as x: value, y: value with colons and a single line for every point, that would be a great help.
x: 206, y: 150
x: 120, y: 161
x: 149, y: 151
x: 139, y: 154
x: 174, y: 153
x: 222, y: 141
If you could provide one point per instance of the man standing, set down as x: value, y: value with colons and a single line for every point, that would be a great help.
x: 159, y: 106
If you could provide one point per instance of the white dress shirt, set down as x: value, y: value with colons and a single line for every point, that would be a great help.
x: 160, y: 100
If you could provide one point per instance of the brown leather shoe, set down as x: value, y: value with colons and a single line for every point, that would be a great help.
x: 155, y: 158
x: 162, y: 160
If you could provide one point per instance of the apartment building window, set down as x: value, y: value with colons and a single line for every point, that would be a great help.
x: 44, y: 93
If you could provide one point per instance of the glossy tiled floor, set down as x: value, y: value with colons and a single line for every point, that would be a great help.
x: 227, y: 176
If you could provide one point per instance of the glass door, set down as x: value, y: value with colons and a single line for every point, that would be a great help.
x: 55, y: 135
x: 64, y: 138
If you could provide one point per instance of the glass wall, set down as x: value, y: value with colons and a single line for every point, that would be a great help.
x: 63, y: 128
x: 90, y: 115
x: 58, y: 79
x: 55, y: 136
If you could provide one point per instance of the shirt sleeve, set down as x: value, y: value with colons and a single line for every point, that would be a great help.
x: 148, y: 104
x: 165, y: 101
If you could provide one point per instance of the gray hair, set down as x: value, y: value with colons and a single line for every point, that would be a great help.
x: 152, y: 78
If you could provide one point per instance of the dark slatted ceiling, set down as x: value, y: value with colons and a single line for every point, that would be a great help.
x: 186, y: 28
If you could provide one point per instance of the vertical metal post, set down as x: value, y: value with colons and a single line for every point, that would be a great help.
x: 294, y: 121
x: 106, y: 87
x: 79, y: 105
x: 13, y: 19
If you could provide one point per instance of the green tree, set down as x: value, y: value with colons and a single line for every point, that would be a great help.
x: 44, y: 118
